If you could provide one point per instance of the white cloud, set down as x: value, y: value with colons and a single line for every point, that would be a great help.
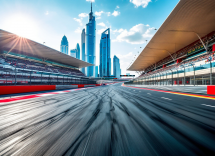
x: 136, y: 35
x: 118, y: 31
x: 142, y: 3
x: 79, y: 21
x: 78, y: 30
x: 117, y: 7
x: 101, y: 24
x: 101, y: 31
x: 108, y: 13
x: 97, y: 18
x: 99, y: 13
x: 90, y: 0
x: 47, y: 13
x: 116, y: 13
x: 82, y: 15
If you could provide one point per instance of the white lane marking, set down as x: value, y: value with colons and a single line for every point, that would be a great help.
x: 208, y: 105
x: 149, y: 93
x: 46, y: 94
x: 166, y: 98
x: 60, y: 92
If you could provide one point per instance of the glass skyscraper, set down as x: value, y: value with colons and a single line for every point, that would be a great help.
x: 73, y: 53
x: 116, y: 67
x: 64, y: 45
x: 83, y: 48
x: 96, y: 71
x: 105, y: 58
x: 91, y: 44
x: 78, y: 51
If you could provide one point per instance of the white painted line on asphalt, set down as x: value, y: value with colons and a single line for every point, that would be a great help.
x: 208, y: 105
x: 149, y: 93
x: 46, y: 94
x: 166, y: 98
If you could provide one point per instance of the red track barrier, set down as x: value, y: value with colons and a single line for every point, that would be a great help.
x: 24, y: 89
x: 211, y: 90
x: 83, y: 85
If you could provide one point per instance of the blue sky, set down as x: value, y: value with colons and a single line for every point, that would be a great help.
x: 132, y: 22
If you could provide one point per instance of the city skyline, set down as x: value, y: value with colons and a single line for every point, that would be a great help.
x: 83, y: 56
x: 64, y: 46
x: 45, y: 24
x: 91, y: 44
x: 116, y: 67
x: 78, y: 51
x: 105, y: 57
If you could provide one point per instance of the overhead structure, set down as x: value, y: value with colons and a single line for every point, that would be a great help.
x: 188, y: 21
x: 20, y: 45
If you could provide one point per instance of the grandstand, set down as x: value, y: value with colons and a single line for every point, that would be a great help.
x: 23, y: 61
x: 182, y: 50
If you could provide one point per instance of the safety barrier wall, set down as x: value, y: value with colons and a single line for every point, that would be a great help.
x: 25, y: 89
x: 4, y: 90
x: 211, y: 90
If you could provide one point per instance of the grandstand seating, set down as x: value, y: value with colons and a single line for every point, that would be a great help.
x: 202, y: 59
x: 208, y: 39
x: 27, y: 64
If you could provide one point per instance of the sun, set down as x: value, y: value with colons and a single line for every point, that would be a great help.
x: 21, y: 25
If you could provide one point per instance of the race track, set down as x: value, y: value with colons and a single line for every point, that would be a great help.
x: 108, y: 120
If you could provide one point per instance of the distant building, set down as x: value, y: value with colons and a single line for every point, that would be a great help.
x: 116, y: 67
x: 105, y: 60
x: 96, y: 71
x: 78, y: 51
x: 64, y: 45
x: 83, y: 49
x: 73, y: 53
x: 91, y: 44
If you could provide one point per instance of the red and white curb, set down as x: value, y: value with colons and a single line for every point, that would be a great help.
x: 25, y: 97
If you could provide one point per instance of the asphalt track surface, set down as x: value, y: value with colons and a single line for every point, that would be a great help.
x: 108, y: 120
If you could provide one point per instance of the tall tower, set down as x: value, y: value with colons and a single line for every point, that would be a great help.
x: 83, y: 48
x: 78, y: 51
x: 91, y: 44
x: 116, y: 67
x: 105, y: 60
x: 64, y: 45
x: 73, y: 53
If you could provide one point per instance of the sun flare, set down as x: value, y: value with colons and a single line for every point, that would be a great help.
x: 22, y: 25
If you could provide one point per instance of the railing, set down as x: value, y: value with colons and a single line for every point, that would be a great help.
x: 200, y: 73
x: 17, y: 76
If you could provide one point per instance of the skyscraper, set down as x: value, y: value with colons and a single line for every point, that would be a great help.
x: 78, y: 51
x: 91, y: 44
x: 96, y: 71
x: 73, y: 53
x: 105, y: 60
x: 116, y: 67
x: 64, y: 45
x: 83, y: 48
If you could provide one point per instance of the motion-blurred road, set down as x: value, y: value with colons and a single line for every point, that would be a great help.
x: 108, y: 120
